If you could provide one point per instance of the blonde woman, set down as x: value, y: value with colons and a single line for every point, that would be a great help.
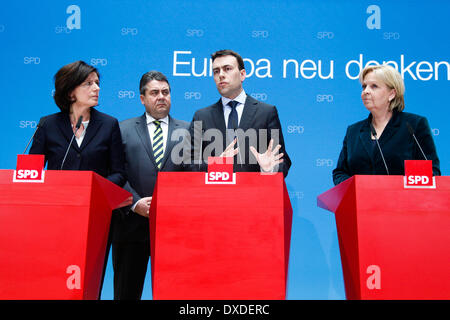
x: 383, y: 96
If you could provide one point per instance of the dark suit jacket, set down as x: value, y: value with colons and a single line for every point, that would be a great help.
x: 101, y: 150
x: 142, y: 172
x: 359, y: 155
x: 256, y: 115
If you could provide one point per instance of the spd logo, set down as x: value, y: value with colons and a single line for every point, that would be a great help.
x: 216, y: 177
x: 419, y: 174
x: 220, y: 171
x: 30, y: 168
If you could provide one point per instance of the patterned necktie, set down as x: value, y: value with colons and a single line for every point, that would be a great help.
x: 158, y: 151
x: 233, y: 116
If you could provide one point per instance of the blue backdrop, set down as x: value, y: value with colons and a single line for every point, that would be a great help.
x: 302, y: 56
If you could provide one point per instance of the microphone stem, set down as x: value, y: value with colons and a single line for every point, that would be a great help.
x: 374, y: 133
x: 77, y: 126
x: 67, y: 151
x: 425, y: 157
x: 30, y: 141
x: 382, y: 156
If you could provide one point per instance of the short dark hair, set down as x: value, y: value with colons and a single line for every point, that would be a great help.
x: 227, y: 52
x: 150, y: 76
x: 67, y: 79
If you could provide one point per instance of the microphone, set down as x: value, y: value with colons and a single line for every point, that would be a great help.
x: 77, y: 126
x: 411, y: 131
x: 374, y: 133
x: 41, y: 122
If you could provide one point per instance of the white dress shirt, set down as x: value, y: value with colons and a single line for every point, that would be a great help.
x: 81, y: 137
x: 151, y: 131
x: 239, y: 108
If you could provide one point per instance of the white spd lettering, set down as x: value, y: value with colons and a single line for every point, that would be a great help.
x: 27, y: 174
x: 218, y: 176
x: 418, y: 179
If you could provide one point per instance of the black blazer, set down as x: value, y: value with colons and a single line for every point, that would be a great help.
x: 101, y: 150
x: 360, y: 155
x: 256, y: 115
x: 142, y: 172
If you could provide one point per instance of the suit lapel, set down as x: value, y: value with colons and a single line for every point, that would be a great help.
x: 390, y: 128
x: 65, y: 127
x: 142, y: 131
x: 218, y: 117
x: 92, y: 128
x: 247, y: 121
x: 247, y: 118
x: 169, y: 143
x: 248, y: 114
x: 365, y: 137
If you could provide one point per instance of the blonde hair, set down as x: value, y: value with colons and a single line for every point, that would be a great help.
x: 392, y: 79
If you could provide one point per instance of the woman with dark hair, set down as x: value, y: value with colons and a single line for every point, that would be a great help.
x: 97, y: 145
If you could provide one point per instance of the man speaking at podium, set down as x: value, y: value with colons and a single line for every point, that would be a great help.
x: 249, y: 128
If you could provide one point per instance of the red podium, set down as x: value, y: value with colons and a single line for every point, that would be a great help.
x: 394, y: 242
x: 220, y: 241
x: 53, y: 235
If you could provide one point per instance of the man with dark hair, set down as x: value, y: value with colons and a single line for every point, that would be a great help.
x: 249, y: 128
x: 147, y: 143
x: 223, y: 53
